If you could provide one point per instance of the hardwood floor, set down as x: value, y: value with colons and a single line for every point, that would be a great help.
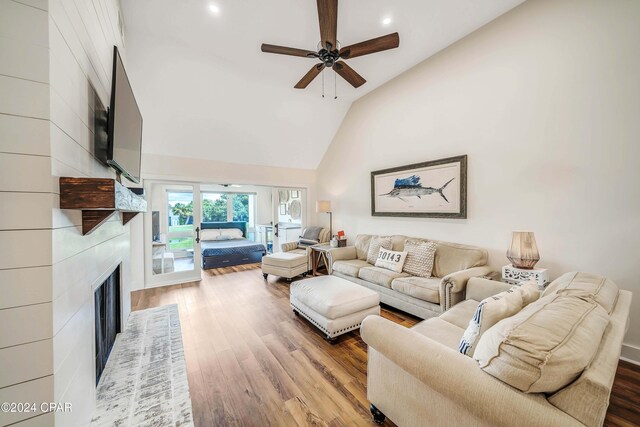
x: 251, y: 362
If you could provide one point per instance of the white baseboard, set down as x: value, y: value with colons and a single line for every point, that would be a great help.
x: 630, y: 353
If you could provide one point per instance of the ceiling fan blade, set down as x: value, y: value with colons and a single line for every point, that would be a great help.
x: 349, y: 74
x: 328, y: 18
x: 390, y: 41
x: 308, y: 78
x: 282, y: 50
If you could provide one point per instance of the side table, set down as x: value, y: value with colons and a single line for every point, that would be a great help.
x: 517, y: 276
x: 320, y: 253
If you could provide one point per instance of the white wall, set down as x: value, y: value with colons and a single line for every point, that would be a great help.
x: 545, y: 101
x: 81, y: 37
x: 51, y: 52
x: 26, y: 217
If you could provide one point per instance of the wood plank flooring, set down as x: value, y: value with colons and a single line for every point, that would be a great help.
x: 251, y: 362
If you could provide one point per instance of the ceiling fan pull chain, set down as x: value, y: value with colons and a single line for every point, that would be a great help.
x: 335, y: 86
x: 323, y: 83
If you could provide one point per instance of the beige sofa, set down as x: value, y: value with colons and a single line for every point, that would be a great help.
x: 417, y: 377
x: 292, y: 247
x: 424, y: 297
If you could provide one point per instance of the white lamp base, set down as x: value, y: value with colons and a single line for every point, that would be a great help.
x: 517, y: 276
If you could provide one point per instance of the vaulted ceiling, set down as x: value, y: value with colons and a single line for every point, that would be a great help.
x: 207, y: 91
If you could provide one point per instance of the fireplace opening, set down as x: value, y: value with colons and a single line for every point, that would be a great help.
x: 107, y: 319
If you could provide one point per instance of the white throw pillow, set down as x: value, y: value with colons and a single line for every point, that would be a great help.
x: 209, y: 234
x: 374, y: 248
x: 391, y: 260
x: 490, y: 311
x: 234, y: 233
x: 420, y: 256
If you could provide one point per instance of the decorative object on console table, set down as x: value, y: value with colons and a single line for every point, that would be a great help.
x: 434, y: 189
x: 99, y: 198
x: 517, y: 276
x: 342, y: 239
x: 523, y: 252
x: 324, y: 206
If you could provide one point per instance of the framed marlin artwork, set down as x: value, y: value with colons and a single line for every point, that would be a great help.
x: 435, y: 189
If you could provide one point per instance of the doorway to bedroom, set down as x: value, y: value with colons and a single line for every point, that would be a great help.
x: 194, y: 226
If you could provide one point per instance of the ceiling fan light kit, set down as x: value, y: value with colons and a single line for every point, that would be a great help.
x: 329, y: 51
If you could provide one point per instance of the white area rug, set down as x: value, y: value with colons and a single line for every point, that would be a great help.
x: 145, y: 380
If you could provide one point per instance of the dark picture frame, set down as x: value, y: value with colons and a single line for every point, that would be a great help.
x: 421, y: 190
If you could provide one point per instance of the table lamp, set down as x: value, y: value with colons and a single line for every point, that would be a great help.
x: 325, y: 207
x: 523, y: 252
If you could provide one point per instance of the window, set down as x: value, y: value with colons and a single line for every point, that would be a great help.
x: 225, y: 207
x: 214, y: 207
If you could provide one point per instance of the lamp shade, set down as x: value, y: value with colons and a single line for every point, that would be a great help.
x: 523, y: 252
x: 323, y: 206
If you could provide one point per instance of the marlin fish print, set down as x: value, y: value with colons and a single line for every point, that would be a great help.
x: 412, y: 187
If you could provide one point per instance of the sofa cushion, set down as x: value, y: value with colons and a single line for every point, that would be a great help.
x: 362, y: 246
x: 489, y: 312
x: 424, y: 288
x: 452, y: 257
x: 391, y: 260
x: 379, y: 276
x: 604, y: 291
x: 420, y: 257
x: 461, y: 313
x: 350, y: 267
x: 375, y: 245
x: 546, y: 345
x: 530, y: 292
x: 441, y: 331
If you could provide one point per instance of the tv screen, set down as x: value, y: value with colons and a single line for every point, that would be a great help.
x: 125, y: 124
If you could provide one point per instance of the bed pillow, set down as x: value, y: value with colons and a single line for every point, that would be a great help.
x: 420, y: 257
x: 374, y: 248
x: 391, y: 260
x: 235, y: 233
x: 209, y: 234
x: 490, y: 311
x: 224, y: 237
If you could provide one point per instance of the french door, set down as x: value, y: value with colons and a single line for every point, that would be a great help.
x: 172, y: 233
x: 289, y: 215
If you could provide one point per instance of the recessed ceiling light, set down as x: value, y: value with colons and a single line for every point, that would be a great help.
x: 214, y: 9
x: 386, y: 21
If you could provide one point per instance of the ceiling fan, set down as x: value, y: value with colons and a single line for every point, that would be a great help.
x: 330, y: 54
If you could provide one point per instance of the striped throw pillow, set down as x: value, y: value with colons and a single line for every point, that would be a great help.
x: 490, y: 311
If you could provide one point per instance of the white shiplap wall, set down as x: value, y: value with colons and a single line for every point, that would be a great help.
x: 27, y: 199
x: 55, y: 57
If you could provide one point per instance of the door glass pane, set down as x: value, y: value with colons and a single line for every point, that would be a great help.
x: 173, y: 230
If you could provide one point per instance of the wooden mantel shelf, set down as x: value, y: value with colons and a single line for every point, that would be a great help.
x: 99, y: 198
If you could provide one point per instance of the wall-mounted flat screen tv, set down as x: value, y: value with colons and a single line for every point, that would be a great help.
x: 125, y: 124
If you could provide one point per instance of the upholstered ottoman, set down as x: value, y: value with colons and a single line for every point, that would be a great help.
x: 334, y: 305
x: 284, y: 264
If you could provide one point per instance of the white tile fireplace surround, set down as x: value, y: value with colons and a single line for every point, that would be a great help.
x: 145, y: 380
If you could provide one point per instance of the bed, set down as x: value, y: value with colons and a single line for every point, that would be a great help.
x: 226, y: 253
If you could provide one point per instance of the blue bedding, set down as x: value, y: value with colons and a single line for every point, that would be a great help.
x: 230, y: 247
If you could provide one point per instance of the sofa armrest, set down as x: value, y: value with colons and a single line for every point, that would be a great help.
x: 346, y: 252
x: 453, y: 285
x: 479, y: 288
x: 289, y: 246
x: 448, y: 373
